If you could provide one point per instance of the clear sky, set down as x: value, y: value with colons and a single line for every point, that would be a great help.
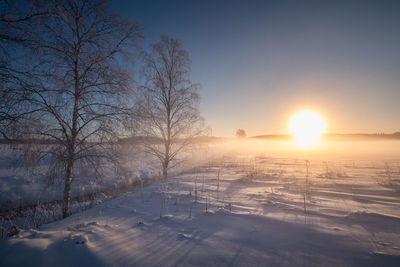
x: 260, y: 61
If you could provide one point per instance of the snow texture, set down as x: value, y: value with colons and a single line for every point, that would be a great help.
x: 243, y: 209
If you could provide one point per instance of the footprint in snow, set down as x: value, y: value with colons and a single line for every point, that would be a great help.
x: 140, y: 223
x: 182, y: 236
x: 78, y: 239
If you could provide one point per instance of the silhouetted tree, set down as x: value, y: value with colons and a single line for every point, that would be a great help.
x: 240, y: 133
x: 77, y: 91
x: 170, y: 101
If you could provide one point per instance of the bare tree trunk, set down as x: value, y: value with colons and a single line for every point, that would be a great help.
x: 70, y: 166
x: 66, y: 205
x: 165, y: 170
x: 71, y: 149
x: 165, y: 161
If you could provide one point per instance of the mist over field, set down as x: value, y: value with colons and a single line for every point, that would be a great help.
x: 239, y: 200
x: 379, y: 150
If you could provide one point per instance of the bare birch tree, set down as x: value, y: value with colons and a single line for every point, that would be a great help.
x: 170, y: 102
x: 78, y: 92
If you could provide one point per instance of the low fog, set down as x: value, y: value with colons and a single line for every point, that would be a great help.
x: 379, y: 150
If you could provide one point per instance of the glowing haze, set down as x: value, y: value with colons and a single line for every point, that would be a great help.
x: 259, y: 62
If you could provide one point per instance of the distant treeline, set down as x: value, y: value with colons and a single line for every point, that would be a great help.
x: 28, y: 141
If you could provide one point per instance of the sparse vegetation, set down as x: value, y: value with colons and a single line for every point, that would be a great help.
x: 390, y: 178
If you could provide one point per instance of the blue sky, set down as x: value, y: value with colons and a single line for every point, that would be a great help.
x: 260, y: 61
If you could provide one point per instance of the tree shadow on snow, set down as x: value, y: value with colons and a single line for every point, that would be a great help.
x: 60, y: 253
x: 224, y: 239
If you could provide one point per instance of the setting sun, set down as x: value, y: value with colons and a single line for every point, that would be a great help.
x: 307, y: 126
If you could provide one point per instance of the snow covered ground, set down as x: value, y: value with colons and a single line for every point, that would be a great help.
x: 252, y: 207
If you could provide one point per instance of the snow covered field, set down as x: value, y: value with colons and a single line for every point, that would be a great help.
x: 258, y: 205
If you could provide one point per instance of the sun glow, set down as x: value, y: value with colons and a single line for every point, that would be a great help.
x: 306, y: 127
